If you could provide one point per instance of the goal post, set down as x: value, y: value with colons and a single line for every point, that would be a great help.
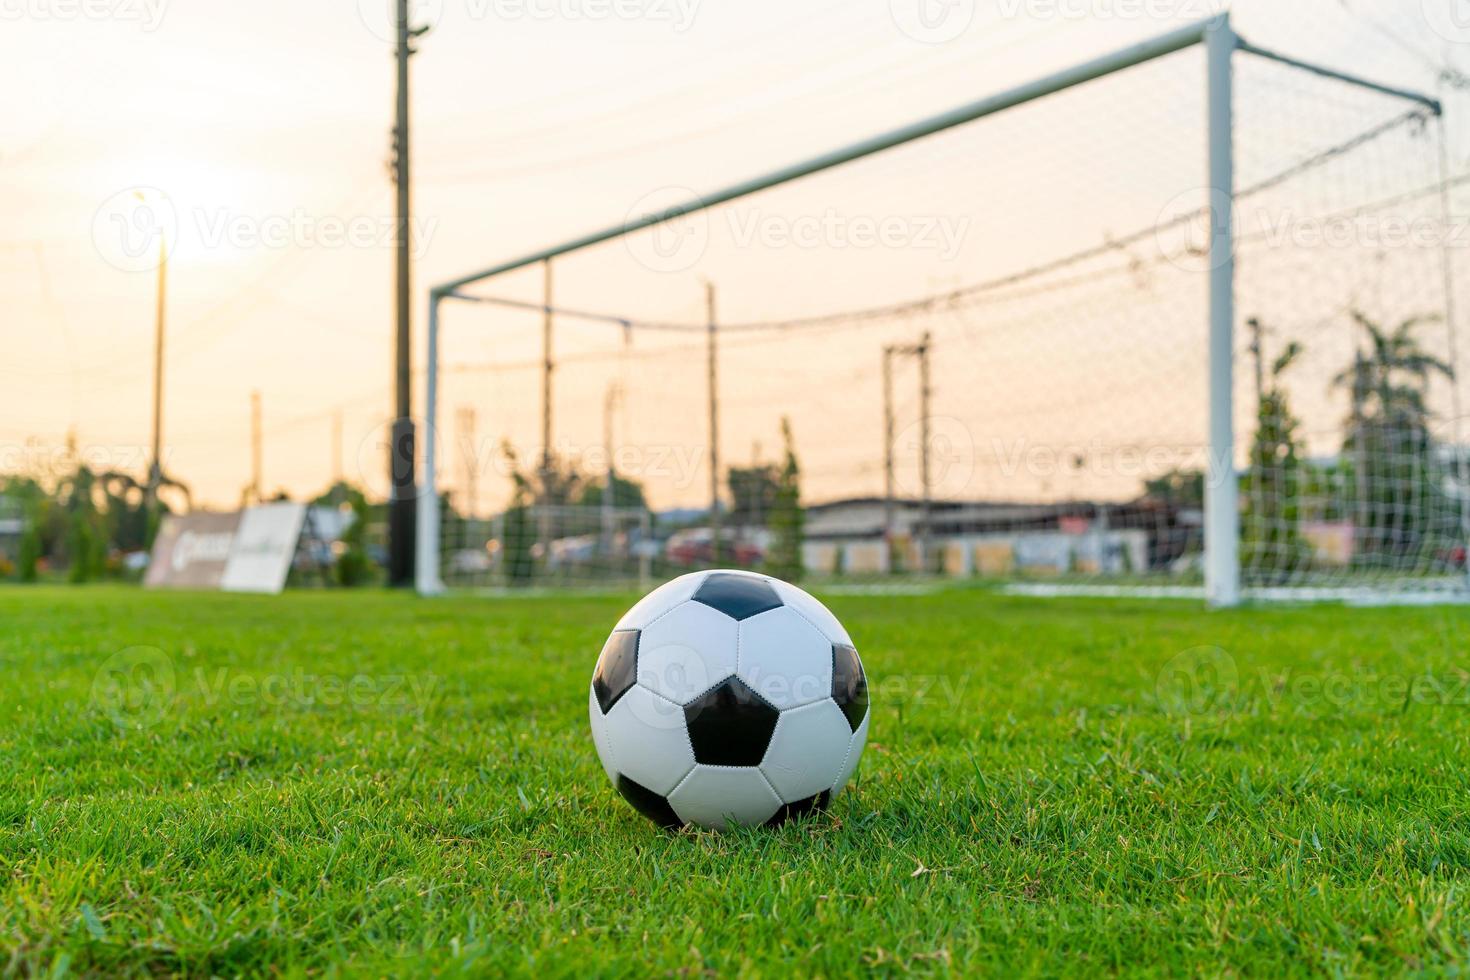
x: 1218, y: 541
x: 1222, y: 505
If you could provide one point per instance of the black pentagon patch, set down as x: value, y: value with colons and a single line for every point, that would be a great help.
x: 617, y: 668
x: 730, y: 725
x: 849, y: 684
x: 801, y: 808
x: 737, y: 596
x: 648, y: 803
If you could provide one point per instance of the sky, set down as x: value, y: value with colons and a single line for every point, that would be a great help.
x: 257, y: 135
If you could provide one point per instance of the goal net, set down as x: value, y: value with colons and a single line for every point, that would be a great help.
x: 988, y: 354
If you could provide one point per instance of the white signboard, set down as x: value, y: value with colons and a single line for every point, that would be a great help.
x: 191, y: 550
x: 264, y: 545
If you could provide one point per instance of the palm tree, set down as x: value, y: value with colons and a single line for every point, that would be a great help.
x: 1393, y: 355
x: 1388, y: 426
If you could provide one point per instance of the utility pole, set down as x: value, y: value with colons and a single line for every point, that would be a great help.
x: 616, y: 393
x: 543, y: 532
x: 548, y: 366
x: 714, y: 431
x: 155, y: 466
x: 758, y: 518
x: 337, y: 448
x: 1257, y: 352
x: 925, y: 390
x: 921, y: 351
x: 255, y: 449
x: 402, y: 504
x: 888, y: 529
x: 469, y: 460
x: 609, y: 403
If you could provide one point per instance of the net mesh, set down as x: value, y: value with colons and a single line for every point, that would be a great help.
x: 1051, y: 262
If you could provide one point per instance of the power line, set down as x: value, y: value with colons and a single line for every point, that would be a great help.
x: 1443, y: 70
x: 608, y: 318
x: 954, y: 296
x: 830, y: 323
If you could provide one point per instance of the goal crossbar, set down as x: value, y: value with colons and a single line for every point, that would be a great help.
x: 1222, y: 570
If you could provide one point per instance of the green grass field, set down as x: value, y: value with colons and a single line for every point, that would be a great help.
x: 376, y: 784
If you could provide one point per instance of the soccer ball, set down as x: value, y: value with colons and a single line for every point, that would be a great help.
x: 728, y: 698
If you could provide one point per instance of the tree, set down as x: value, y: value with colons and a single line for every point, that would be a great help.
x: 28, y: 557
x: 1182, y: 488
x: 125, y: 501
x: 354, y: 565
x: 558, y: 484
x: 519, y: 534
x: 35, y: 513
x: 753, y: 492
x: 1272, y: 537
x: 87, y: 533
x: 1395, y: 483
x: 626, y: 493
x: 788, y: 520
x: 78, y: 518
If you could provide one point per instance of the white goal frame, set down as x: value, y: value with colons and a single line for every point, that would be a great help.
x: 1222, y: 514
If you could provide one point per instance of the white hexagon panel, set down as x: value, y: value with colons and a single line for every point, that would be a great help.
x: 807, y: 750
x: 648, y: 741
x: 718, y: 796
x: 854, y: 753
x: 784, y: 658
x: 660, y: 601
x: 686, y: 651
x: 599, y: 735
x: 809, y: 606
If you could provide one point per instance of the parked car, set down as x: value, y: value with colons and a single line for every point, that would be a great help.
x: 470, y: 561
x: 692, y: 546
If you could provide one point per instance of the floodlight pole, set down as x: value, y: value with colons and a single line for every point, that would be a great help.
x: 1222, y: 491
